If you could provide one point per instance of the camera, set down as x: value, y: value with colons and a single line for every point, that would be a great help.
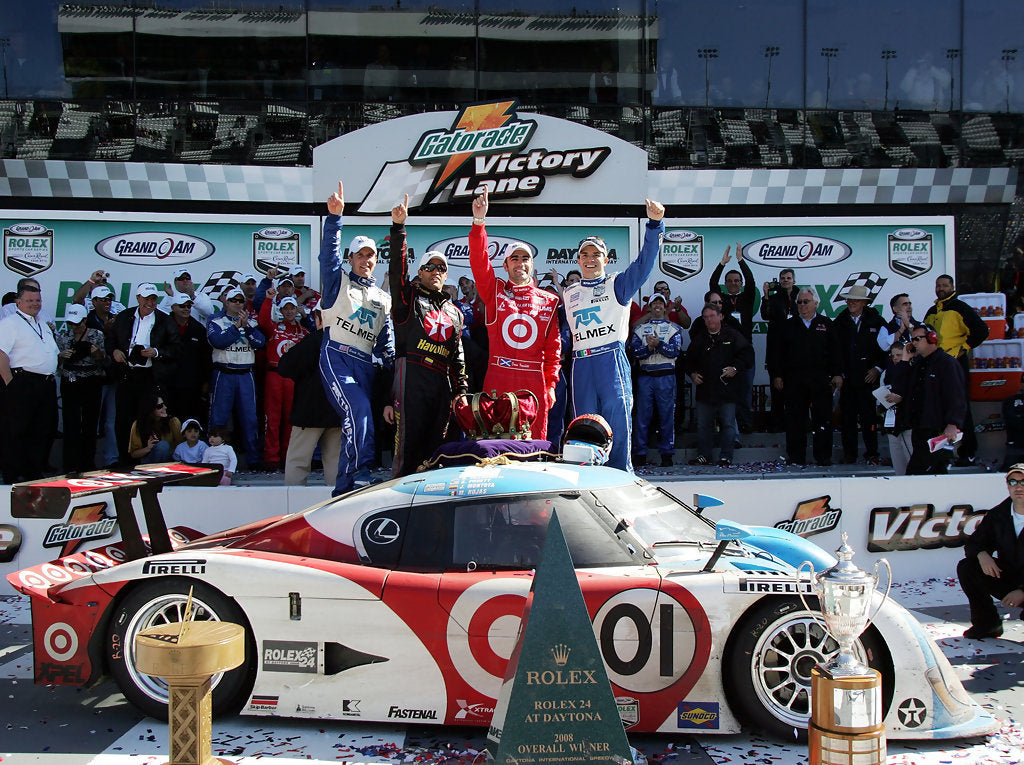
x: 773, y: 286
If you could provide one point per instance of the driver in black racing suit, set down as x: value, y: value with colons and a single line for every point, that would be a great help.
x: 430, y: 368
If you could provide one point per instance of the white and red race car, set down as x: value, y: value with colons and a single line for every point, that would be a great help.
x: 402, y: 602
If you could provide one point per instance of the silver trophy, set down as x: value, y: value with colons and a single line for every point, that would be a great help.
x: 844, y: 592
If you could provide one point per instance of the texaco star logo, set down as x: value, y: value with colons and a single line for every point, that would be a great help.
x: 438, y: 325
x: 912, y: 713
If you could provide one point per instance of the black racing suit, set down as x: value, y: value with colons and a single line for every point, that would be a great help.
x: 430, y: 368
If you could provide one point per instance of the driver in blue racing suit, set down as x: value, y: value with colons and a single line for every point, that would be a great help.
x: 598, y: 313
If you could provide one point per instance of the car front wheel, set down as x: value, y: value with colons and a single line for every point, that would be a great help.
x: 163, y: 602
x: 768, y: 663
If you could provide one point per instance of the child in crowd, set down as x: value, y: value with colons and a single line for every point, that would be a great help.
x: 191, y: 449
x: 221, y: 453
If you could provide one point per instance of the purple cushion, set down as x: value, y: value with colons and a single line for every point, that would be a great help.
x: 469, y: 452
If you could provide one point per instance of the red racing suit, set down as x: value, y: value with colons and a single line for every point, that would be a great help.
x: 278, y: 391
x: 522, y: 329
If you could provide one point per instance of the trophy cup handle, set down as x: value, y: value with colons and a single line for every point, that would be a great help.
x: 888, y: 587
x: 813, y: 612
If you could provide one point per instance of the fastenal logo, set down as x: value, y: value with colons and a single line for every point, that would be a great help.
x: 812, y: 516
x: 796, y: 251
x: 154, y: 248
x: 917, y: 527
x: 28, y: 248
x: 910, y: 252
x: 682, y: 254
x: 481, y: 149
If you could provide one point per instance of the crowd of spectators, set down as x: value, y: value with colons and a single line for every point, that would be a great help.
x: 180, y: 369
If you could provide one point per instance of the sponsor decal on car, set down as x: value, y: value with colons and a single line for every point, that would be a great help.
x: 920, y: 527
x: 812, y: 516
x: 10, y: 542
x: 469, y: 711
x: 59, y: 673
x: 304, y: 709
x: 289, y: 656
x: 350, y: 708
x: 912, y: 713
x: 179, y: 566
x: 769, y: 582
x: 698, y: 715
x: 403, y: 713
x: 263, y: 703
x: 629, y: 710
x: 86, y: 522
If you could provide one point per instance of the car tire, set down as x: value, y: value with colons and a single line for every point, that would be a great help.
x: 162, y: 602
x: 768, y: 661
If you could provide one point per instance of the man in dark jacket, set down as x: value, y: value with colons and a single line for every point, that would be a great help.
x: 778, y: 304
x: 188, y: 385
x: 983, y: 575
x: 804, y: 361
x: 716, y: 361
x: 858, y: 326
x: 960, y: 329
x: 936, y: 402
x: 313, y: 420
x: 143, y: 343
x: 738, y: 302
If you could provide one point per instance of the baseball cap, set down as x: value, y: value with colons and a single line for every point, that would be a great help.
x: 597, y: 242
x: 429, y: 255
x: 518, y: 246
x: 284, y: 279
x: 360, y: 242
x: 656, y: 296
x: 182, y: 272
x: 231, y: 292
x: 101, y: 291
x: 74, y: 313
x: 288, y: 301
x: 299, y: 270
x: 190, y: 421
x: 180, y: 298
x: 249, y: 278
x: 1017, y: 467
x: 146, y: 289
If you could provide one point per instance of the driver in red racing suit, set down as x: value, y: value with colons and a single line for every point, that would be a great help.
x: 522, y: 322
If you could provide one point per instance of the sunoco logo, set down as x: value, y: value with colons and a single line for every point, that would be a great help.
x: 698, y: 715
x: 457, y: 248
x: 146, y: 248
x: 796, y: 251
x: 482, y: 149
x: 916, y: 527
x: 812, y: 516
x: 682, y: 254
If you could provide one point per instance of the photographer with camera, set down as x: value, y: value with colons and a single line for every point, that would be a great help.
x: 82, y: 374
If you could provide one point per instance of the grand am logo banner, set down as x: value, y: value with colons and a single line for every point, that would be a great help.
x: 486, y: 146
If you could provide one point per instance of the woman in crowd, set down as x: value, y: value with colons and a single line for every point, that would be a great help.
x: 154, y: 435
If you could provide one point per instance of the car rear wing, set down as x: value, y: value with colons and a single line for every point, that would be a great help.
x: 51, y: 498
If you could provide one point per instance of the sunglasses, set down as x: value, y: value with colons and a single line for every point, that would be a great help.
x: 183, y: 277
x: 161, y: 405
x: 804, y: 302
x: 915, y: 338
x: 185, y: 305
x: 108, y: 297
x: 431, y: 267
x: 1015, y: 481
x: 234, y: 300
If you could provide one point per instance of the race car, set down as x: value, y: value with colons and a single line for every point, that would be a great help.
x: 402, y: 602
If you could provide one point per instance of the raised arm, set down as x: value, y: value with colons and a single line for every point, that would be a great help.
x: 331, y: 269
x: 629, y: 281
x: 479, y: 260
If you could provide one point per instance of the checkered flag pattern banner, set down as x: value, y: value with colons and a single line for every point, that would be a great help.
x: 220, y: 281
x: 869, y: 279
x: 394, y: 181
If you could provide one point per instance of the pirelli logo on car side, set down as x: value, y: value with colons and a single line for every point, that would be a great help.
x: 774, y: 582
x: 179, y: 566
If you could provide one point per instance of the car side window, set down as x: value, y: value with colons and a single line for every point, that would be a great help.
x: 428, y: 543
x: 383, y: 534
x: 503, y: 533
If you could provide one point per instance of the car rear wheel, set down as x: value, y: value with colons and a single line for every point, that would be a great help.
x: 768, y: 663
x: 163, y: 602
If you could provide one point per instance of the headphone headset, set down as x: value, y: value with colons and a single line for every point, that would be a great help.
x: 931, y: 336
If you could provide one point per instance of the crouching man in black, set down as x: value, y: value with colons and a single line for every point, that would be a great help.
x: 993, y: 565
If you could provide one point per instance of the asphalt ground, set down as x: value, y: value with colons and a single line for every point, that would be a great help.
x: 61, y: 725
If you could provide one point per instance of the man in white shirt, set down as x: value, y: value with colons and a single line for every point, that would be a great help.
x: 28, y: 363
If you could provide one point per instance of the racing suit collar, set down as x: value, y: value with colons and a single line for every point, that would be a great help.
x: 363, y: 281
x: 593, y: 282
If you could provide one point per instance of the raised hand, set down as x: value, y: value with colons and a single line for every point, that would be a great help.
x: 400, y: 213
x: 480, y: 205
x: 655, y: 210
x: 336, y: 201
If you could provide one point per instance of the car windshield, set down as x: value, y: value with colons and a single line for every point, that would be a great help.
x: 655, y: 515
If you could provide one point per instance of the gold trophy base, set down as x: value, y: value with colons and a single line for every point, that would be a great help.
x: 846, y: 720
x: 187, y: 659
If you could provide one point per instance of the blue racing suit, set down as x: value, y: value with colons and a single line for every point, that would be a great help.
x: 656, y: 384
x: 598, y: 313
x: 232, y: 385
x: 357, y: 329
